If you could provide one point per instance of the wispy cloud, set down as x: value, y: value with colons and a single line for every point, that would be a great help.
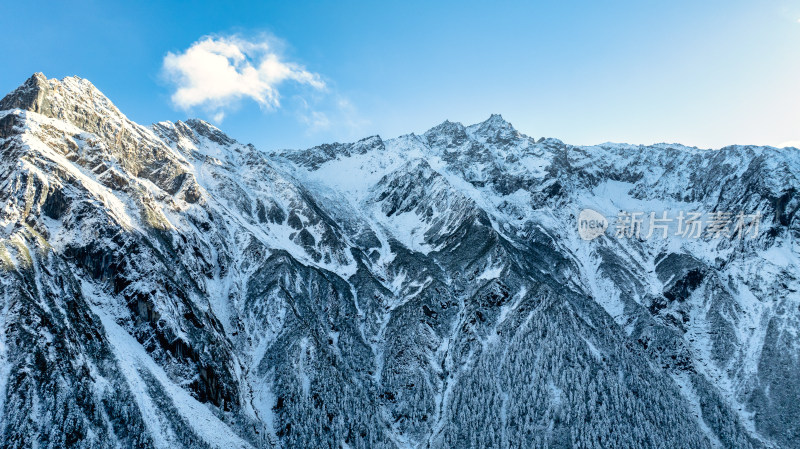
x: 217, y: 72
x: 333, y: 112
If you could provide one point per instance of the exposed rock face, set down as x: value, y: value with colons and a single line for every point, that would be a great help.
x: 171, y: 287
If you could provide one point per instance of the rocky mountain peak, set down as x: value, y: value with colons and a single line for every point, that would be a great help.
x: 70, y: 99
x: 27, y: 96
x: 497, y: 121
x: 495, y: 129
x: 446, y: 127
x: 80, y: 108
x: 447, y: 134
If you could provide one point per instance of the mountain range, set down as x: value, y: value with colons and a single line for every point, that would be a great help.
x: 166, y: 286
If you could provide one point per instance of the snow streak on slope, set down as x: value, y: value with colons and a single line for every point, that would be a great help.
x: 133, y: 361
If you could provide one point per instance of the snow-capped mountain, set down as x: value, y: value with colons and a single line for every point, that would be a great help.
x: 168, y: 286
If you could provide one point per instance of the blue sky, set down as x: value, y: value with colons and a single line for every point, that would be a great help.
x: 708, y: 73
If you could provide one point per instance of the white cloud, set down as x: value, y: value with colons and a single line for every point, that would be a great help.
x: 215, y: 73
